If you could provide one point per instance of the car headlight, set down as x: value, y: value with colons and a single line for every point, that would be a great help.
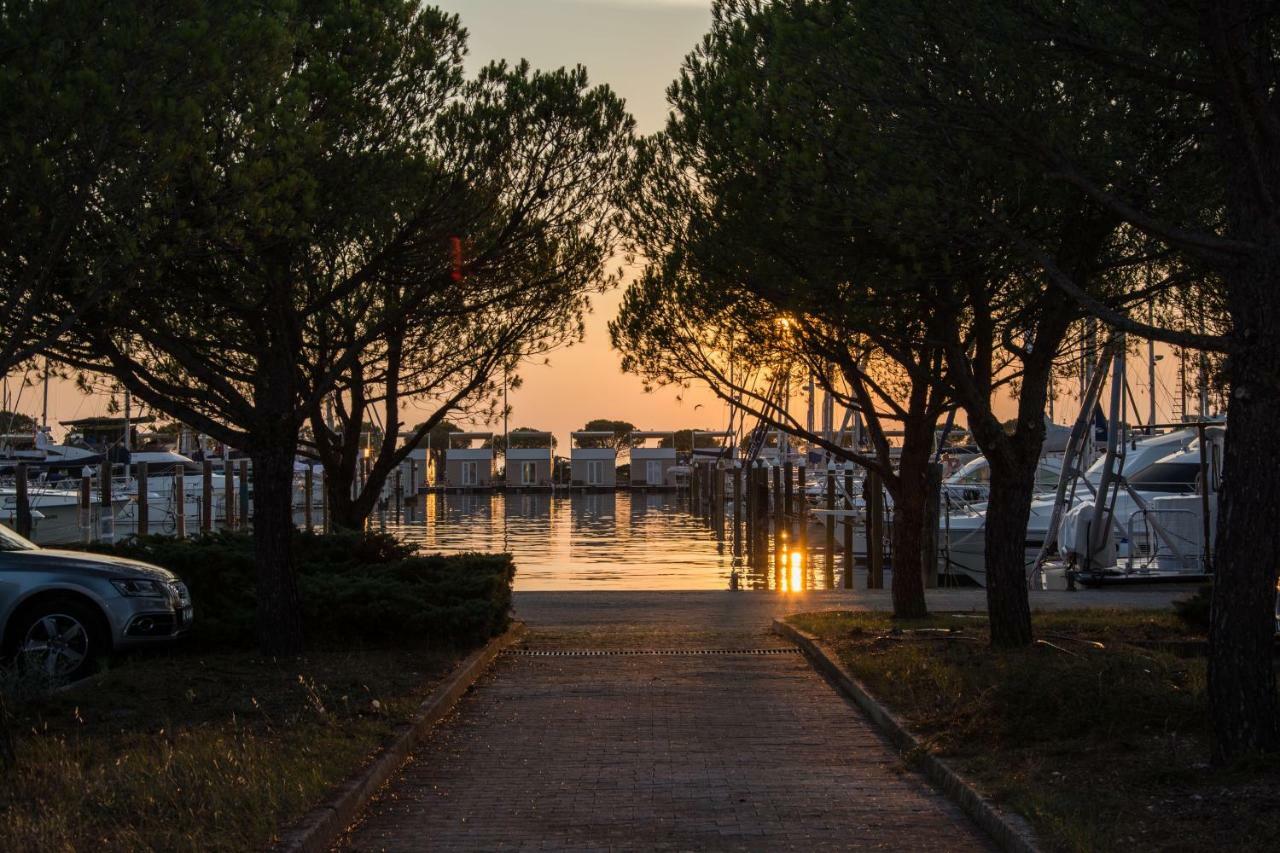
x: 140, y: 588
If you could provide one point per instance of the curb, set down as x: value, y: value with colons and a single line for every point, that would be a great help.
x: 319, y: 828
x: 1011, y: 833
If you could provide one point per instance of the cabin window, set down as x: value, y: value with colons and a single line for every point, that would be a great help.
x: 528, y: 473
x: 470, y: 474
x: 1175, y: 477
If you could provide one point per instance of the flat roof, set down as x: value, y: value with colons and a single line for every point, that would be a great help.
x: 640, y: 433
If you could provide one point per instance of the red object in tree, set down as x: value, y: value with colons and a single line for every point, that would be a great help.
x: 456, y: 244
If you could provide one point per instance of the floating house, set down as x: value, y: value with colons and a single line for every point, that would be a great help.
x: 593, y: 463
x: 653, y: 456
x: 713, y: 445
x: 529, y: 463
x: 468, y: 461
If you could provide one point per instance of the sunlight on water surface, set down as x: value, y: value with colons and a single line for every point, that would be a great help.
x: 622, y: 540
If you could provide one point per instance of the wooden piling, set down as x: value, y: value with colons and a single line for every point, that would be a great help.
x: 308, y: 496
x: 22, y: 508
x: 399, y: 493
x: 229, y: 494
x: 86, y: 507
x: 830, y: 577
x: 849, y: 521
x: 180, y: 500
x: 802, y: 520
x: 779, y: 528
x: 106, y: 519
x: 788, y: 494
x: 144, y: 505
x: 244, y: 493
x: 737, y: 509
x: 932, y: 501
x: 206, y: 497
x: 875, y: 531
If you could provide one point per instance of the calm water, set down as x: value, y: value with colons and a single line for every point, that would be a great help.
x: 619, y: 540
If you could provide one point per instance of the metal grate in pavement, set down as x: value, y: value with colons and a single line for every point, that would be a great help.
x: 591, y: 653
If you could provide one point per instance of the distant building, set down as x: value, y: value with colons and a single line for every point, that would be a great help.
x: 468, y: 460
x: 592, y: 463
x: 651, y: 462
x: 529, y: 466
x: 714, y: 445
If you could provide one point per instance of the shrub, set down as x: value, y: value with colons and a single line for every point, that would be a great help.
x: 1194, y: 610
x: 354, y: 588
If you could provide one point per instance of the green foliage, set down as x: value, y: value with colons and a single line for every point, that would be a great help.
x: 621, y: 430
x: 354, y: 588
x: 1195, y: 609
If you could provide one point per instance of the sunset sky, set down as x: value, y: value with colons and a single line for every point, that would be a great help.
x: 636, y: 47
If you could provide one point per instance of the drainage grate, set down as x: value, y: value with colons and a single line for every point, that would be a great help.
x: 592, y: 653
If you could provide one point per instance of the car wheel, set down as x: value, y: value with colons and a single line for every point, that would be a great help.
x: 58, y: 640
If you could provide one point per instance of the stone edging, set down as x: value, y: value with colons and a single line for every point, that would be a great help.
x: 1011, y: 832
x: 320, y: 828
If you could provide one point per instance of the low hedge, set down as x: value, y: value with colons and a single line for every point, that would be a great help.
x: 354, y: 588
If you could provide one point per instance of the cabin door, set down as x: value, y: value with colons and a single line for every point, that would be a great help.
x: 653, y: 473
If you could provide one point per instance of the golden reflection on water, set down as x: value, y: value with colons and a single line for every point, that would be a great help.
x: 622, y: 541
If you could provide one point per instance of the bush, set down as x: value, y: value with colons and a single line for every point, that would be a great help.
x: 355, y: 588
x: 1194, y: 610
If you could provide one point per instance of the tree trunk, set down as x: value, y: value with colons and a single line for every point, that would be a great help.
x: 1242, y: 681
x: 344, y: 512
x: 908, y: 539
x: 1005, y: 535
x: 279, y: 624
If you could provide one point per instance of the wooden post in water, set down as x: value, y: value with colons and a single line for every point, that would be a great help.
x: 180, y: 501
x: 86, y: 507
x: 206, y: 497
x: 762, y: 518
x: 22, y: 500
x: 693, y: 488
x: 830, y: 576
x: 749, y: 505
x: 308, y: 496
x: 413, y: 486
x: 737, y: 509
x: 932, y: 500
x: 144, y: 505
x: 875, y: 531
x: 849, y: 521
x: 324, y: 509
x: 399, y: 495
x: 244, y: 493
x: 788, y: 495
x: 779, y: 528
x: 106, y: 518
x: 801, y: 524
x: 229, y: 493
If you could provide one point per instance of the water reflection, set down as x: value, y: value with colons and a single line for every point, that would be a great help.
x: 606, y: 540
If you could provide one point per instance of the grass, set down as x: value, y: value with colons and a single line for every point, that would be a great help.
x: 1098, y: 735
x: 211, y: 752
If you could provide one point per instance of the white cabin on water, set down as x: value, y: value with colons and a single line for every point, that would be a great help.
x: 593, y: 462
x: 712, y: 445
x: 529, y: 463
x: 653, y: 455
x: 468, y: 461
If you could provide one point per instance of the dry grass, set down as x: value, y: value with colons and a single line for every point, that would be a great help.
x: 1099, y: 738
x: 215, y: 752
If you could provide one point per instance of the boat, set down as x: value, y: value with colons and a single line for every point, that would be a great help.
x: 962, y: 534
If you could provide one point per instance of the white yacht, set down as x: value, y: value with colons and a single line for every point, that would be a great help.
x: 963, y: 526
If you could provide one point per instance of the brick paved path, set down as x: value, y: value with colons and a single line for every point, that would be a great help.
x: 676, y: 752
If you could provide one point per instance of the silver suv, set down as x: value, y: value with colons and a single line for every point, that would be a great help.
x: 61, y: 611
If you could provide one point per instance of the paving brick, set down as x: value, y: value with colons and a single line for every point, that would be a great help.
x: 658, y: 752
